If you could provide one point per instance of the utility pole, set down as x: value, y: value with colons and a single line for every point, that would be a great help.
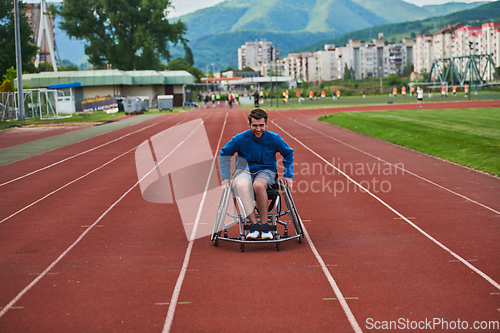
x: 19, y: 63
x: 276, y: 68
x: 380, y: 75
x: 271, y: 74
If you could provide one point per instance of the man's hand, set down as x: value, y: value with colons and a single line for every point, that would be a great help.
x: 225, y: 183
x: 288, y: 182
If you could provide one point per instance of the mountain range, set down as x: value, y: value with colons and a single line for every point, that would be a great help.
x: 489, y: 12
x: 215, y: 33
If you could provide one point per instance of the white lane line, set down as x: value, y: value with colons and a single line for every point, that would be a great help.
x: 329, y: 277
x: 73, y: 181
x: 79, y: 154
x: 398, y: 167
x: 180, y: 279
x: 54, y: 263
x: 65, y: 185
x: 463, y: 261
x: 333, y: 284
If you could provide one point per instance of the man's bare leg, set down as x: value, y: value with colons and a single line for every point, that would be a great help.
x: 244, y: 186
x: 260, y: 189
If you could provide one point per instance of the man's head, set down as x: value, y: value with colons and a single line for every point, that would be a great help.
x: 257, y: 120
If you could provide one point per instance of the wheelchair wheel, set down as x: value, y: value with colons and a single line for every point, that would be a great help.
x: 292, y: 210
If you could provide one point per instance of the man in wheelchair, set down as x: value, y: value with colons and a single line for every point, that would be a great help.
x: 256, y: 168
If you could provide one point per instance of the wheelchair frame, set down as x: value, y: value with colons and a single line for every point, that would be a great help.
x: 273, y: 216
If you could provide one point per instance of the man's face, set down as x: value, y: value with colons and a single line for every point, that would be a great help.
x: 258, y: 127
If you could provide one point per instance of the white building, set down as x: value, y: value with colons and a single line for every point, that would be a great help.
x: 311, y: 66
x: 369, y: 61
x: 463, y: 36
x: 325, y: 64
x: 349, y: 55
x: 296, y: 65
x: 443, y: 45
x: 374, y: 59
x: 456, y: 41
x: 400, y: 55
x: 423, y: 54
x: 380, y: 59
x: 489, y: 43
x: 256, y: 54
x: 466, y: 41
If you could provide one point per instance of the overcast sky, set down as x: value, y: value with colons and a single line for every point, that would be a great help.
x: 183, y: 7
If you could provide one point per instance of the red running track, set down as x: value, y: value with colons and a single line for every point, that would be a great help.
x: 80, y: 250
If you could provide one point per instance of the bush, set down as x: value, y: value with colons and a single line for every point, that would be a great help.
x: 393, y: 80
x: 7, y: 86
x: 8, y: 82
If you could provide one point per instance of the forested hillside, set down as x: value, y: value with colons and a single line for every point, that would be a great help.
x: 395, y: 32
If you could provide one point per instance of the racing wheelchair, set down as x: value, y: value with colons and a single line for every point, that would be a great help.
x: 275, y: 217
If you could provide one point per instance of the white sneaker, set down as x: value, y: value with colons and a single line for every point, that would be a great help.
x: 253, y: 234
x: 267, y: 234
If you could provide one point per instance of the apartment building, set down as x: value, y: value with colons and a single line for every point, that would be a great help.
x: 325, y: 64
x: 349, y: 55
x: 443, y: 41
x: 489, y: 43
x: 458, y: 40
x: 464, y: 36
x: 296, y: 65
x: 374, y: 59
x: 256, y: 55
x: 311, y: 66
x: 367, y: 60
x: 423, y: 54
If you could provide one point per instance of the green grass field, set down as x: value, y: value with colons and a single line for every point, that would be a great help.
x: 328, y: 102
x: 469, y: 137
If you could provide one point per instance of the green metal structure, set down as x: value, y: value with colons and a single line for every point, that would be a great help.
x: 464, y: 69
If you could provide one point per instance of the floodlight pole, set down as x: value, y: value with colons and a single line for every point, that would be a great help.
x: 471, y: 69
x: 271, y: 75
x: 19, y: 63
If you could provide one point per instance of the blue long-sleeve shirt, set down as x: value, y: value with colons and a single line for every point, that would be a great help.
x: 260, y: 154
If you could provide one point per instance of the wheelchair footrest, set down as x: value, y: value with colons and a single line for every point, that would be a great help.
x: 260, y: 227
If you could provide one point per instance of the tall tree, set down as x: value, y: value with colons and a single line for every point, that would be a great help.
x: 8, y: 40
x: 188, y: 55
x: 177, y: 64
x: 128, y: 34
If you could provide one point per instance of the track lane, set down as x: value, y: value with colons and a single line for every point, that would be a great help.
x: 80, y: 208
x: 259, y: 290
x: 479, y: 190
x: 386, y: 266
x: 426, y: 171
x: 40, y: 162
x: 484, y: 242
x: 25, y: 190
